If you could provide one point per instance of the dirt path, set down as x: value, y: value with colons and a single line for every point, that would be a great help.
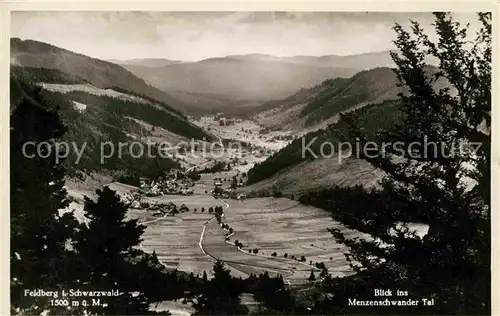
x: 200, y: 243
x: 229, y: 262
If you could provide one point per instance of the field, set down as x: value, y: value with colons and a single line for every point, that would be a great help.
x: 284, y: 226
x: 176, y: 238
x: 267, y: 224
x: 64, y: 88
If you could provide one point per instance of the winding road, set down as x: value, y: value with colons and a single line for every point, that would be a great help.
x: 202, y: 235
x: 200, y: 244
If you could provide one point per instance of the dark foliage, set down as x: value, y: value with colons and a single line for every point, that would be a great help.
x: 221, y: 294
x: 39, y: 258
x: 445, y: 189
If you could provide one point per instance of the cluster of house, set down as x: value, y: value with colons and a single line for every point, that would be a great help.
x: 223, y: 121
x: 162, y: 187
x: 162, y: 209
x: 226, y: 193
x: 133, y: 200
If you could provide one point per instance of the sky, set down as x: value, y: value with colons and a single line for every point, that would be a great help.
x: 193, y: 36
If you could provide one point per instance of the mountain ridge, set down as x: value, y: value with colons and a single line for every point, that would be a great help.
x: 146, y: 62
x: 100, y: 73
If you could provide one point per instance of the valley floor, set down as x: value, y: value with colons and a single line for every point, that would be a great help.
x: 278, y: 235
x: 192, y: 241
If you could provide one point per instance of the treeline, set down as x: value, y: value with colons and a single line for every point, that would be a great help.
x: 170, y: 118
x: 371, y: 118
x: 217, y: 167
x: 51, y: 250
x: 96, y: 126
x: 36, y: 75
x: 145, y: 112
x: 148, y: 98
x: 330, y: 100
x: 359, y: 208
x: 221, y: 295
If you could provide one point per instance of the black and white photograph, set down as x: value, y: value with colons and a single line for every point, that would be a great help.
x: 250, y: 162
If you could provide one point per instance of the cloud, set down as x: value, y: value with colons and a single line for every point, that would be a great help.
x: 199, y: 35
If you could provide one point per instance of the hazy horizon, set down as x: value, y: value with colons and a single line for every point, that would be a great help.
x: 212, y: 57
x: 195, y: 36
x: 247, y: 54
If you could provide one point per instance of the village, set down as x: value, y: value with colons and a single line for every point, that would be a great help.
x: 182, y: 183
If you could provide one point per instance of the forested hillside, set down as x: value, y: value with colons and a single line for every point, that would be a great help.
x: 98, y: 72
x: 103, y: 119
x: 372, y: 118
x: 340, y: 94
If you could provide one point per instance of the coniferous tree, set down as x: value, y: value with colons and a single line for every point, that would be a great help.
x: 446, y: 185
x: 272, y: 293
x: 234, y: 183
x: 110, y: 260
x: 39, y: 233
x: 221, y: 295
x: 312, y: 277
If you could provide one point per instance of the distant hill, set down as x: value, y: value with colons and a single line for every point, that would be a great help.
x: 319, y: 106
x: 313, y: 108
x: 97, y: 72
x: 359, y: 61
x: 284, y: 114
x: 243, y: 81
x: 340, y: 94
x: 146, y: 62
x: 370, y: 98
